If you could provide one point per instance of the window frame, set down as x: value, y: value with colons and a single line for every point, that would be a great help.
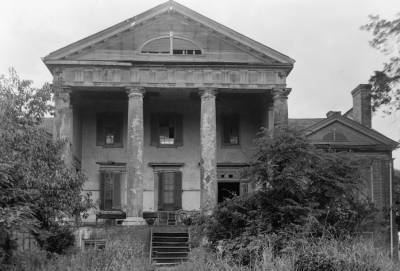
x: 224, y: 117
x: 155, y: 121
x: 197, y: 50
x: 103, y: 120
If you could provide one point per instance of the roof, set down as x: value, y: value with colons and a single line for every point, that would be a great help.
x: 169, y: 6
x: 312, y: 126
x: 302, y: 124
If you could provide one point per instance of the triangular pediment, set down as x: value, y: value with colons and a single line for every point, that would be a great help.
x: 341, y: 131
x: 195, y: 38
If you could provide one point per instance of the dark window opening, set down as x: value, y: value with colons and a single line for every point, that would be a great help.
x: 231, y: 130
x: 187, y: 52
x: 109, y: 129
x: 166, y: 130
x: 227, y: 190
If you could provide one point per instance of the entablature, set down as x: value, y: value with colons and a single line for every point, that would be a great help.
x: 237, y: 77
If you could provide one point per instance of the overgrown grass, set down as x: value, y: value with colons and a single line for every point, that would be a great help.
x: 316, y: 255
x: 126, y: 249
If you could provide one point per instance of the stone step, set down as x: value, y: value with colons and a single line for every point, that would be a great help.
x: 171, y: 248
x: 173, y: 244
x: 170, y: 239
x: 166, y: 260
x: 173, y: 234
x: 170, y: 255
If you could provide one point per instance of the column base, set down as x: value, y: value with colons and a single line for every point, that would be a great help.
x: 134, y: 221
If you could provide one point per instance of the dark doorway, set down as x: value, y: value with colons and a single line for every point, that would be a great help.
x: 227, y: 190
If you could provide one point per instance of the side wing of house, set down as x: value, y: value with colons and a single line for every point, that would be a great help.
x: 372, y: 149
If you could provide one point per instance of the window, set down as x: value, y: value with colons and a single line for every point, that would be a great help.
x: 171, y: 46
x: 110, y: 190
x: 335, y: 136
x: 109, y: 129
x: 166, y: 130
x: 230, y: 133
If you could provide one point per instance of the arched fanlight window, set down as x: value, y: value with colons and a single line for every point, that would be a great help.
x: 171, y: 46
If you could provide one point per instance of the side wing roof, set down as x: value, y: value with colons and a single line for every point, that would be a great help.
x: 344, y: 132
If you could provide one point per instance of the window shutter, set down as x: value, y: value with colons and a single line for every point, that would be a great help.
x: 235, y: 125
x: 116, y: 203
x: 366, y: 182
x: 178, y: 130
x: 178, y: 190
x: 160, y: 190
x: 226, y: 128
x: 118, y: 120
x: 108, y: 190
x: 385, y: 183
x: 99, y: 130
x: 154, y: 130
x: 244, y: 189
x: 102, y: 181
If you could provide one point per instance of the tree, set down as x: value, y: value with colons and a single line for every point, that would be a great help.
x: 299, y: 183
x: 385, y: 83
x: 38, y: 192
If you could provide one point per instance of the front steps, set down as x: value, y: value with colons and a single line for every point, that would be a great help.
x: 169, y: 245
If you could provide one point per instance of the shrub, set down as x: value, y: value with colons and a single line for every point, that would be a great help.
x: 300, y: 184
x: 58, y: 240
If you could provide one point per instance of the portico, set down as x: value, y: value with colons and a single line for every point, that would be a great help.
x: 205, y: 92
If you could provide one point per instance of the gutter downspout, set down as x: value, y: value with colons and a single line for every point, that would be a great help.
x: 391, y: 207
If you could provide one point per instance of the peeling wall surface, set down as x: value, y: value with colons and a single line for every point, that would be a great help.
x: 249, y: 107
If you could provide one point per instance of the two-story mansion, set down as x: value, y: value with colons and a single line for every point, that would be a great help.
x: 161, y: 110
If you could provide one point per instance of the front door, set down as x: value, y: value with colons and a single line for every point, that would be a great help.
x: 169, y: 191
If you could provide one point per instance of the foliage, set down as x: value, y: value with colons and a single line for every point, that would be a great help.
x: 37, y: 190
x: 300, y: 185
x: 57, y: 239
x: 126, y: 249
x: 313, y: 255
x: 385, y: 83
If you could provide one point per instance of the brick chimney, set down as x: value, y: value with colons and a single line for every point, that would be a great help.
x: 362, y: 104
x: 333, y: 113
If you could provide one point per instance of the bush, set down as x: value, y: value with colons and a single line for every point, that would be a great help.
x: 59, y: 239
x: 300, y: 184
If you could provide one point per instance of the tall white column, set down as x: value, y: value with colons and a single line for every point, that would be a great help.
x: 63, y: 121
x: 280, y: 97
x: 135, y: 156
x: 208, y: 145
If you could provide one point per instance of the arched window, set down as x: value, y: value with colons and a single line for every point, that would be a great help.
x: 171, y: 46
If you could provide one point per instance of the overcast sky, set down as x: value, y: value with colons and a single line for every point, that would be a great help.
x: 323, y: 36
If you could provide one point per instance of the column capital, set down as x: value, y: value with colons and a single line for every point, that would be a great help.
x: 135, y: 91
x: 208, y: 92
x: 281, y: 93
x: 63, y: 92
x: 61, y: 88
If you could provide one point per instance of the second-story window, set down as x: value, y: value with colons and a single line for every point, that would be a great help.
x: 109, y: 127
x: 230, y: 133
x: 166, y: 130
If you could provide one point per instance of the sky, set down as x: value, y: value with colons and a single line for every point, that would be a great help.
x: 332, y: 54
